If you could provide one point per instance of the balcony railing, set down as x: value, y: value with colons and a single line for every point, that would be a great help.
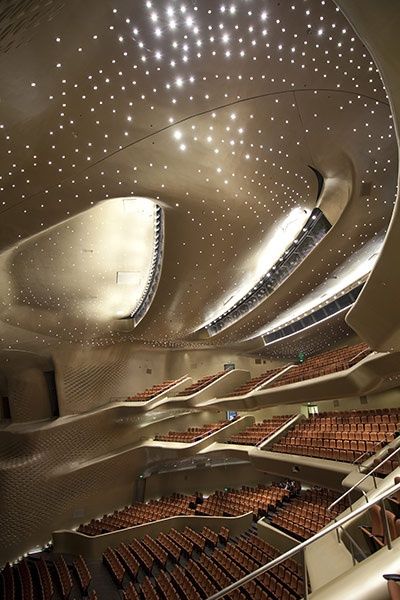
x: 335, y: 526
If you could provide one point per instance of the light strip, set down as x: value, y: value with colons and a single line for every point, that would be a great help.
x: 353, y: 294
x: 306, y: 240
x: 154, y: 278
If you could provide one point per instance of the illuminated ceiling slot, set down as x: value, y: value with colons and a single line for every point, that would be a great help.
x: 351, y: 273
x: 155, y: 271
x: 306, y: 240
x: 321, y: 314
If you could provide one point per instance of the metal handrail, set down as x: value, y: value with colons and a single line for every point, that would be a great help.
x: 371, y: 472
x: 380, y: 444
x: 303, y: 545
x: 367, y: 352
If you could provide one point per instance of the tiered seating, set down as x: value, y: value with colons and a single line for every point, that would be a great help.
x: 169, y: 545
x: 211, y: 537
x: 130, y: 593
x: 182, y: 582
x: 254, y: 383
x: 210, y: 563
x: 237, y: 502
x: 36, y: 578
x: 139, y: 513
x: 141, y: 552
x: 193, y: 434
x: 154, y: 391
x: 323, y: 364
x: 45, y: 581
x: 259, y: 432
x: 184, y: 543
x: 83, y: 573
x: 8, y: 583
x: 160, y: 555
x: 216, y: 565
x: 128, y: 559
x: 308, y: 513
x: 201, y: 384
x: 148, y: 589
x: 343, y: 436
x: 167, y: 588
x: 64, y: 576
x: 232, y: 502
x: 114, y: 566
x: 288, y: 574
x: 199, y: 539
x: 25, y: 579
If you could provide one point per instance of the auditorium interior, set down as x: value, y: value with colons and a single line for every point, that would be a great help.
x: 211, y: 410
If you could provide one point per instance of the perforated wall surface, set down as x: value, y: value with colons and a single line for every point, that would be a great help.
x: 89, y: 379
x: 62, y: 473
x: 20, y: 18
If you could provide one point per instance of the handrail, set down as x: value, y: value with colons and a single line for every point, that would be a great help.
x: 267, y: 441
x: 301, y: 547
x: 367, y: 352
x: 371, y: 472
x: 259, y: 387
x: 370, y: 452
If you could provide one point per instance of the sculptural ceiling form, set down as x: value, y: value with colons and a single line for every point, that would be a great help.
x: 214, y: 111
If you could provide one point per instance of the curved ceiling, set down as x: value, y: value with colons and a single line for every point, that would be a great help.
x: 80, y: 275
x: 215, y: 110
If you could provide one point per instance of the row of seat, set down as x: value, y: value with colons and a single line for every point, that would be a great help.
x: 141, y: 512
x: 345, y: 436
x: 258, y: 500
x: 193, y: 434
x: 259, y: 432
x: 323, y: 364
x: 306, y: 514
x: 155, y: 390
x: 83, y: 574
x: 199, y: 385
x: 141, y: 555
x: 255, y: 382
x: 64, y: 576
x: 346, y: 444
x: 230, y: 502
x: 211, y: 567
x: 373, y: 415
x: 31, y: 579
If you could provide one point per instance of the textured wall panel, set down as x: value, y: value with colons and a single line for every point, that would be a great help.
x: 87, y: 379
x: 24, y: 383
x: 58, y: 474
x: 92, y: 385
x: 20, y: 18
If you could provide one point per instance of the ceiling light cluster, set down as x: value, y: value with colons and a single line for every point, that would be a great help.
x: 215, y: 109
